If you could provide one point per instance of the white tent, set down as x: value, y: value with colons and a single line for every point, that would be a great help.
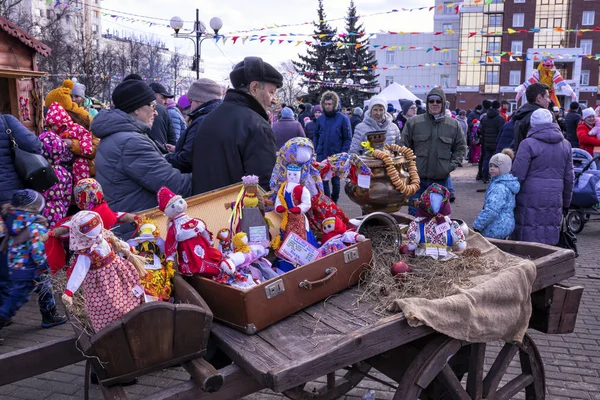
x: 394, y: 92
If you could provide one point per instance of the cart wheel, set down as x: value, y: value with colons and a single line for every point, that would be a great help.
x: 334, y: 388
x: 576, y: 221
x: 434, y: 375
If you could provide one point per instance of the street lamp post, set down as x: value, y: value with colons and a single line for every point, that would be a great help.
x: 198, y: 36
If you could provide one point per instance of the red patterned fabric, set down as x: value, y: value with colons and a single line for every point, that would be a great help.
x: 323, y: 207
x: 196, y: 256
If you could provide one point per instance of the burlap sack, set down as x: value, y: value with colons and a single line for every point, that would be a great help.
x: 498, y: 307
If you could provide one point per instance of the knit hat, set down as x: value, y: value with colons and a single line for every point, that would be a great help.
x: 462, y: 112
x: 302, y: 107
x: 160, y: 89
x: 254, y: 69
x: 317, y: 108
x: 28, y: 200
x: 203, y: 90
x: 541, y: 116
x: 165, y: 198
x: 390, y: 108
x: 503, y: 161
x: 358, y: 111
x: 78, y: 89
x: 287, y: 113
x: 495, y: 104
x: 375, y: 100
x: 306, y: 120
x: 61, y: 95
x: 574, y: 106
x: 132, y: 94
x: 405, y: 105
x: 183, y: 102
x: 486, y: 104
x: 588, y: 112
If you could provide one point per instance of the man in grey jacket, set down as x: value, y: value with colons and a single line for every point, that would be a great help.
x: 438, y: 143
x: 128, y: 164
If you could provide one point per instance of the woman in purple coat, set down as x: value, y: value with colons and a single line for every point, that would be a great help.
x: 544, y: 167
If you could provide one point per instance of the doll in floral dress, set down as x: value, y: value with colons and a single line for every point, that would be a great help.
x: 188, y: 239
x: 336, y: 237
x: 433, y: 233
x: 111, y: 283
x: 58, y: 197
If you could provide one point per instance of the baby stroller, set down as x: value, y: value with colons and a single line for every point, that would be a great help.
x: 586, y: 190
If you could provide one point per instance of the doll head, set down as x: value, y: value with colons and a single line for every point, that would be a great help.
x: 304, y: 154
x: 240, y: 242
x: 434, y: 203
x: 85, y: 230
x: 293, y: 173
x: 328, y: 225
x: 224, y: 234
x: 250, y: 183
x: 547, y: 62
x: 170, y: 203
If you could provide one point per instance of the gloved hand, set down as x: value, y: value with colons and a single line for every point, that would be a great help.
x: 295, y: 210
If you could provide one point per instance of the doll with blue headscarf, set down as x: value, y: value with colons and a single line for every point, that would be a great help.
x: 433, y: 233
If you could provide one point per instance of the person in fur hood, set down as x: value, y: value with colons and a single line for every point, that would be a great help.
x: 333, y: 136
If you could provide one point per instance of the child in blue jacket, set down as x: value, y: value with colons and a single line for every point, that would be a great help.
x: 497, y: 219
x: 27, y: 265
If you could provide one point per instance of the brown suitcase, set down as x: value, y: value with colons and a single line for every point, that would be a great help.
x: 254, y: 309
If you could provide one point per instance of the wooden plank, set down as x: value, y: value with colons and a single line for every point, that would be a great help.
x: 513, y: 387
x: 25, y: 363
x: 205, y: 375
x: 388, y: 333
x: 449, y: 379
x: 112, y: 346
x: 299, y: 335
x: 498, y: 369
x: 149, y: 330
x: 191, y: 330
x: 237, y: 384
x: 335, y: 317
x: 475, y: 374
x: 250, y: 352
x: 348, y: 302
x: 113, y: 393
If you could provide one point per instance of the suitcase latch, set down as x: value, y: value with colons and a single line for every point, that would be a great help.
x: 351, y: 255
x: 275, y: 288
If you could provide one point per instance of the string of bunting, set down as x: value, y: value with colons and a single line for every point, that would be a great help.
x: 367, y: 87
x: 115, y: 77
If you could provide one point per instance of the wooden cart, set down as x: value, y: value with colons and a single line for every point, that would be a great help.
x: 338, y: 335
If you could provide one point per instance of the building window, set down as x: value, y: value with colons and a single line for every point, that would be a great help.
x: 390, y: 57
x: 586, y: 46
x: 516, y: 47
x: 445, y: 81
x: 446, y: 56
x: 585, y: 78
x: 519, y: 1
x: 491, y: 78
x: 446, y: 27
x: 515, y: 78
x: 94, y: 28
x: 518, y: 20
x: 495, y: 20
x: 543, y: 22
x: 494, y: 48
x: 449, y: 10
x: 557, y: 23
x: 588, y: 17
x: 389, y: 80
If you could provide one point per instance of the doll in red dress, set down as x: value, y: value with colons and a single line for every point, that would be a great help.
x: 188, y: 239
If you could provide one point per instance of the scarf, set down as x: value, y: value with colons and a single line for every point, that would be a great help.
x: 425, y: 209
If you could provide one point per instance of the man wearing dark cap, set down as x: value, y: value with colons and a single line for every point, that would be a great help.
x: 129, y: 166
x: 236, y: 139
x: 204, y: 96
x: 572, y: 119
x: 163, y: 131
x: 489, y: 130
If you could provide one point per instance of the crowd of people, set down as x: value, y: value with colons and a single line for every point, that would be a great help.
x: 208, y: 139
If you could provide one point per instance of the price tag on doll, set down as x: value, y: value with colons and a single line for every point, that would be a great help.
x: 297, y: 250
x: 257, y: 234
x: 441, y: 228
x: 138, y: 290
x: 364, y: 181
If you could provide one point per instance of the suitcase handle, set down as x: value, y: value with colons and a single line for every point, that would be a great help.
x: 329, y: 274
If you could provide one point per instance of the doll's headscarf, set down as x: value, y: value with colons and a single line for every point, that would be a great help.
x: 238, y: 243
x: 426, y: 208
x: 86, y: 231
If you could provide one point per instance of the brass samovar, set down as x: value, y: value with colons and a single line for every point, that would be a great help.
x: 395, y: 178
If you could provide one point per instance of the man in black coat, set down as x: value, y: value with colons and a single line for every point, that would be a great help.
x: 305, y: 111
x: 490, y: 129
x: 571, y: 121
x: 204, y: 96
x: 537, y: 97
x: 163, y: 131
x: 236, y: 139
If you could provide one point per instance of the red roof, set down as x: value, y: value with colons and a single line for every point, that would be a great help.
x: 25, y: 38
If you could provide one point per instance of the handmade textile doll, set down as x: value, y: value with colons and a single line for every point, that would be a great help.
x: 293, y: 202
x: 157, y: 282
x: 300, y: 151
x: 248, y: 212
x: 225, y: 244
x: 83, y: 145
x: 336, y: 237
x: 547, y: 74
x: 433, y: 233
x: 88, y: 196
x: 111, y: 283
x: 58, y: 197
x: 237, y: 264
x: 188, y: 239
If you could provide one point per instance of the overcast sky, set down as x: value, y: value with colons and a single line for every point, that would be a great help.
x: 240, y: 15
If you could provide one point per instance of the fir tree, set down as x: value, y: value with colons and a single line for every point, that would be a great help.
x: 318, y: 58
x: 353, y: 56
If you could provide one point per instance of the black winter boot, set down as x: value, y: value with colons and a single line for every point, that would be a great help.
x: 51, y: 318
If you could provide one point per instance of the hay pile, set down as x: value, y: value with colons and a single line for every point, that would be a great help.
x: 77, y: 313
x: 429, y: 278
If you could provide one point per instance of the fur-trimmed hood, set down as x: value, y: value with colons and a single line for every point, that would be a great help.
x: 336, y: 99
